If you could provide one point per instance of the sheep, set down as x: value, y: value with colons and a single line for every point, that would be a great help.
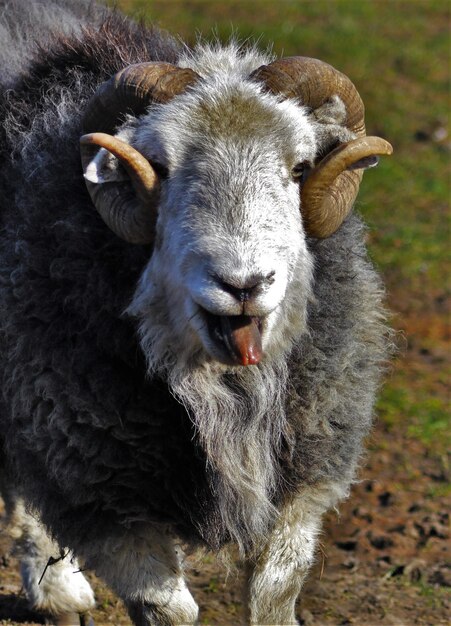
x: 191, y: 333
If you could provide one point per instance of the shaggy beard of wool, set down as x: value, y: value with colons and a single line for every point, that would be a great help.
x: 238, y: 412
x: 240, y: 419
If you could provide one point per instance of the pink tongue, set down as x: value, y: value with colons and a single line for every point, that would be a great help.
x: 242, y: 338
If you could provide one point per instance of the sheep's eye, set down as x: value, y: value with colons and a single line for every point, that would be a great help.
x: 299, y: 170
x: 161, y: 170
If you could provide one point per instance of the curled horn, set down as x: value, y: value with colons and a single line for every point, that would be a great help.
x: 329, y: 193
x: 130, y: 210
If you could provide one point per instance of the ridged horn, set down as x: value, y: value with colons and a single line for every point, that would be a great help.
x: 132, y: 90
x: 129, y: 210
x: 329, y: 193
x: 313, y: 82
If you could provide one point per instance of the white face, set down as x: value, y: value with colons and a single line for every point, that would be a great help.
x: 230, y: 264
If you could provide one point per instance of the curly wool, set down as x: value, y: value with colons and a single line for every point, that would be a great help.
x: 98, y: 446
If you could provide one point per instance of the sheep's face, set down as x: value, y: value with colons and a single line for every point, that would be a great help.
x: 230, y: 273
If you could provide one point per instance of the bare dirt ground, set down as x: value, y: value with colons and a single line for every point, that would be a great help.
x: 382, y: 561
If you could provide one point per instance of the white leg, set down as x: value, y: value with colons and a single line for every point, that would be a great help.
x: 279, y: 570
x: 58, y: 588
x: 145, y: 570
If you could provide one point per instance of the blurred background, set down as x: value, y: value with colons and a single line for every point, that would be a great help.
x: 384, y: 559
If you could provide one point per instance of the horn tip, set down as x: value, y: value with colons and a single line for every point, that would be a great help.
x: 96, y: 139
x: 87, y: 139
x: 384, y: 148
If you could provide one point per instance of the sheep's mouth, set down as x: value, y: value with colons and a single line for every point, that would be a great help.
x: 238, y: 337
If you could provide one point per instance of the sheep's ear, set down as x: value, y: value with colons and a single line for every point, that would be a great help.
x: 130, y: 210
x: 104, y: 167
x: 333, y: 111
x: 365, y: 163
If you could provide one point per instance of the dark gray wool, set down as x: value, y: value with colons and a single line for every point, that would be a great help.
x: 93, y: 443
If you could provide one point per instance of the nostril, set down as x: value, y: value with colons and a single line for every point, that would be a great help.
x: 240, y: 294
x: 269, y: 278
x: 244, y: 289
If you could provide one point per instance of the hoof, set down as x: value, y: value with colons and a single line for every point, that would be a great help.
x: 72, y: 619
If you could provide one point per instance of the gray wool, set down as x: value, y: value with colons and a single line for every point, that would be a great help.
x: 26, y: 25
x: 97, y: 445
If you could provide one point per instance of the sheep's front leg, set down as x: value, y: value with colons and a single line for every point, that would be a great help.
x: 145, y: 570
x: 277, y: 572
x: 51, y: 577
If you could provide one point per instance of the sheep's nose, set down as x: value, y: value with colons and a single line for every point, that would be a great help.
x: 237, y: 292
x: 245, y: 289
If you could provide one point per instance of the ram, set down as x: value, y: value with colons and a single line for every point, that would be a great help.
x: 191, y: 334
